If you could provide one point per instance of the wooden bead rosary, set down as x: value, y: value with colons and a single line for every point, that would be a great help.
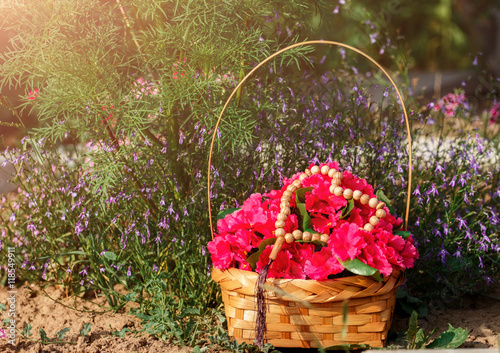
x: 336, y: 190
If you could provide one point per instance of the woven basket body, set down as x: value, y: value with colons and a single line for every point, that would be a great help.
x: 308, y: 313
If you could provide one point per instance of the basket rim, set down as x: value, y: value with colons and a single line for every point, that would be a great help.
x: 357, y: 286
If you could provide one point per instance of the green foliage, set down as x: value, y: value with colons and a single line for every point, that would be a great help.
x: 86, y: 329
x: 416, y: 338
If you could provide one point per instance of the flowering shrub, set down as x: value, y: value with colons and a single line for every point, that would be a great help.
x: 341, y: 227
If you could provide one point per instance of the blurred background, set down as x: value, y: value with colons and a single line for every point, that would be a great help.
x: 445, y: 43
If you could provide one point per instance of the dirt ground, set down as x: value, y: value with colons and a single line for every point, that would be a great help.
x: 481, y: 318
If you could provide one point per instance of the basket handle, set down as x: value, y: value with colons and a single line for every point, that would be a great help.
x: 333, y: 43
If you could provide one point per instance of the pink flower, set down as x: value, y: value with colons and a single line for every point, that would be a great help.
x: 33, y: 94
x: 322, y: 264
x: 346, y: 241
x: 282, y: 267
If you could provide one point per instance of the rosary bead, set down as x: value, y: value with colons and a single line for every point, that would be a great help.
x: 288, y: 194
x: 297, y: 234
x: 279, y: 224
x: 325, y: 238
x: 316, y: 237
x: 297, y: 183
x: 373, y: 202
x: 302, y: 176
x: 285, y: 211
x: 289, y: 238
x: 338, y: 175
x: 284, y: 204
x: 280, y: 232
x: 308, y: 172
x: 348, y: 194
x: 365, y: 199
x: 292, y: 188
x: 374, y: 220
x: 332, y: 172
x: 338, y: 191
x: 336, y: 181
x: 306, y: 236
x: 325, y: 169
x: 332, y: 188
x: 282, y: 216
x: 381, y: 205
x: 380, y: 213
x: 356, y: 195
x: 368, y: 227
x: 315, y: 170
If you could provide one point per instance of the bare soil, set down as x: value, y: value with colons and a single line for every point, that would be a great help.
x: 481, y: 317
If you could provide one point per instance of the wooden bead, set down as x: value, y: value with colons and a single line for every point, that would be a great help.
x: 325, y: 238
x: 285, y: 199
x: 332, y: 189
x: 381, y: 205
x: 356, y: 195
x: 286, y: 211
x: 284, y: 204
x: 302, y: 176
x: 289, y: 238
x: 332, y: 172
x: 348, y: 194
x: 374, y: 220
x: 368, y: 227
x: 297, y: 183
x: 373, y: 202
x: 315, y: 170
x: 325, y: 169
x: 308, y: 172
x: 306, y: 236
x: 282, y: 217
x: 279, y: 224
x: 365, y: 199
x: 297, y: 234
x: 316, y: 237
x: 292, y: 188
x: 338, y: 191
x: 380, y: 213
x: 338, y: 175
x: 336, y: 181
x: 280, y: 232
x: 288, y: 194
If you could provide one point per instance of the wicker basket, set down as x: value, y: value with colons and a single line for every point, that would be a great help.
x: 307, y: 313
x: 310, y: 313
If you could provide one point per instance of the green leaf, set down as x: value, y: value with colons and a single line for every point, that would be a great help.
x: 110, y: 256
x: 411, y: 333
x: 85, y: 330
x: 252, y: 259
x: 190, y: 312
x: 360, y: 268
x: 346, y: 211
x: 303, y: 217
x: 27, y: 330
x: 381, y: 197
x: 403, y: 234
x: 2, y: 307
x: 450, y: 339
x: 43, y: 336
x: 224, y: 213
x: 122, y: 332
x: 61, y: 333
x: 300, y: 194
